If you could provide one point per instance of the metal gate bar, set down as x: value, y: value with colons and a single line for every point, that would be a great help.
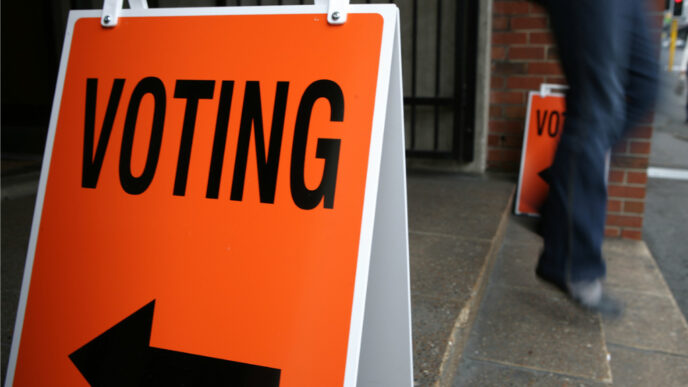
x: 461, y: 103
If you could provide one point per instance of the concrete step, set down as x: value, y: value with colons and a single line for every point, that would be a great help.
x: 456, y: 225
x: 527, y: 333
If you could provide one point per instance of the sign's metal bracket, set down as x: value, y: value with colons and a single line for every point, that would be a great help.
x: 337, y: 10
x: 112, y: 8
x: 110, y: 15
x: 552, y: 88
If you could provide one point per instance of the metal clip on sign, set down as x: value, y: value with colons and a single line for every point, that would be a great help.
x: 111, y: 9
x: 550, y: 88
x: 336, y: 10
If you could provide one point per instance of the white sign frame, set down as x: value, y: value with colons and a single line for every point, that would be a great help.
x: 379, y: 350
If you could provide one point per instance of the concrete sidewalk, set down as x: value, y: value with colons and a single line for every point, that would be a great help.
x: 529, y: 334
x: 526, y: 333
x: 456, y: 223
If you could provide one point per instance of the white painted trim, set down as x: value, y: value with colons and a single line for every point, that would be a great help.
x: 667, y: 173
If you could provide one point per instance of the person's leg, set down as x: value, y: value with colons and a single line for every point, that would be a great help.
x: 593, y: 42
x: 642, y: 70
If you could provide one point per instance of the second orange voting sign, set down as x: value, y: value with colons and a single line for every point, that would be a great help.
x: 206, y: 206
x: 544, y: 124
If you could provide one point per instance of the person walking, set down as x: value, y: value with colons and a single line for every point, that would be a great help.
x: 611, y: 67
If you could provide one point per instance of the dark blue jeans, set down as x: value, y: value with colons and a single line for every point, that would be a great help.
x: 611, y: 67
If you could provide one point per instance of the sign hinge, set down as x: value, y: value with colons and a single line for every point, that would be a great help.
x: 337, y: 10
x: 550, y: 88
x: 112, y: 8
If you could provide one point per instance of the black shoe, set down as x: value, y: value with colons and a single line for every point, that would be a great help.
x: 591, y: 295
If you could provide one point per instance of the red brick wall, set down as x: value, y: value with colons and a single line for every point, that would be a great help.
x: 524, y: 56
x: 627, y: 182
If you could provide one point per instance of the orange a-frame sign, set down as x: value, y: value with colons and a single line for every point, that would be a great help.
x: 207, y: 203
x: 544, y: 123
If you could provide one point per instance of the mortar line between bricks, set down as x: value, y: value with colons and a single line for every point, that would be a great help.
x: 535, y: 369
x: 466, y: 238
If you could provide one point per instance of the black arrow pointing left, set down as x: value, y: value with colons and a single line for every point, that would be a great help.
x: 122, y: 356
x: 546, y: 175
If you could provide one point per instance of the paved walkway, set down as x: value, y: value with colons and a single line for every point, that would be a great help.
x: 456, y: 223
x: 529, y: 334
x: 479, y: 316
